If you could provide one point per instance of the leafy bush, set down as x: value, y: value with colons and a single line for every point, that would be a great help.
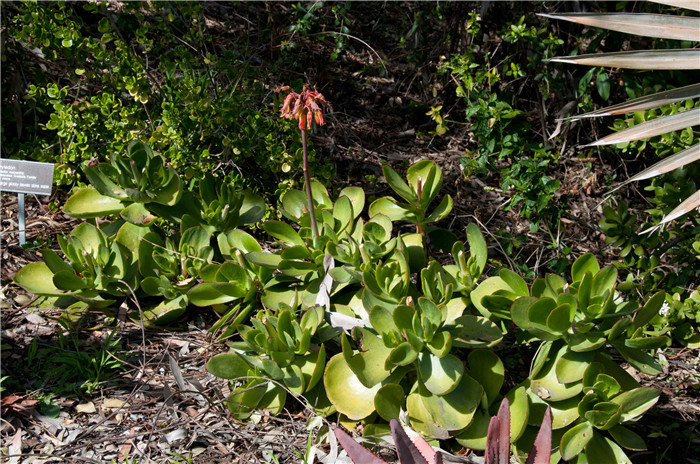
x: 191, y: 105
x: 502, y: 130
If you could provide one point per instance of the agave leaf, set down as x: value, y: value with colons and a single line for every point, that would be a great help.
x: 542, y: 448
x: 687, y: 156
x: 413, y: 449
x: 687, y: 4
x: 648, y: 25
x: 356, y: 452
x: 652, y: 128
x: 646, y: 102
x: 678, y: 59
x: 687, y: 206
x: 498, y: 437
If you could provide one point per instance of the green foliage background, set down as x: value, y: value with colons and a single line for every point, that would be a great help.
x: 84, y: 79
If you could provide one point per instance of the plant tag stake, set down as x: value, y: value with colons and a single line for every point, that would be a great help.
x: 25, y: 177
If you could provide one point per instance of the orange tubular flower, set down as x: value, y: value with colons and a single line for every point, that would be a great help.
x: 300, y: 105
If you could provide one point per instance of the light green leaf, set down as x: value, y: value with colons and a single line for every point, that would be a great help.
x: 389, y: 401
x: 601, y: 450
x: 487, y: 368
x: 131, y: 236
x: 440, y: 211
x: 627, y: 438
x: 435, y: 416
x: 546, y: 384
x: 89, y: 203
x: 228, y: 366
x: 636, y: 402
x: 584, y: 263
x: 402, y: 355
x: 474, y: 436
x: 439, y: 375
x: 345, y: 390
x: 283, y: 232
x: 575, y: 439
x: 604, y: 281
x: 488, y: 287
x: 477, y: 246
x: 571, y: 366
x: 477, y: 332
x: 357, y: 198
x: 67, y: 280
x: 136, y: 213
x: 388, y: 207
x: 294, y: 203
x: 398, y: 185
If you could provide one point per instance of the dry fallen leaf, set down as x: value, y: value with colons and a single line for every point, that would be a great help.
x: 114, y: 403
x: 86, y: 408
x: 15, y: 447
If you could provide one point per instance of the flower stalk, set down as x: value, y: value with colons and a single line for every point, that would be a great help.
x: 305, y: 107
x: 307, y: 183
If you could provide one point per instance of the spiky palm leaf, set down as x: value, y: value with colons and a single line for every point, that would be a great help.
x: 658, y: 26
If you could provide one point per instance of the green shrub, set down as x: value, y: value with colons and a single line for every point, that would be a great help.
x: 141, y: 72
x: 506, y: 144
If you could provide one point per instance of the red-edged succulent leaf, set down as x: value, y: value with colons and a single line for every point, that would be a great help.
x: 498, y: 436
x: 358, y: 453
x: 413, y: 450
x: 542, y: 448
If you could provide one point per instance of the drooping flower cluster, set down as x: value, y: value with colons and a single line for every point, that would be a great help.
x: 304, y: 107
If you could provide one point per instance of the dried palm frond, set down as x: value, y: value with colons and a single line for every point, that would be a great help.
x: 658, y: 26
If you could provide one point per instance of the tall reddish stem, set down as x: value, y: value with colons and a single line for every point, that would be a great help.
x: 307, y: 181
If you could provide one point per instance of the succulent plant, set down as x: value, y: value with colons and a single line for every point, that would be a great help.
x: 277, y: 346
x: 99, y: 268
x: 404, y: 357
x: 573, y: 371
x: 424, y: 181
x: 126, y: 185
x: 413, y: 449
x: 586, y: 314
x: 170, y: 268
x: 218, y: 208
